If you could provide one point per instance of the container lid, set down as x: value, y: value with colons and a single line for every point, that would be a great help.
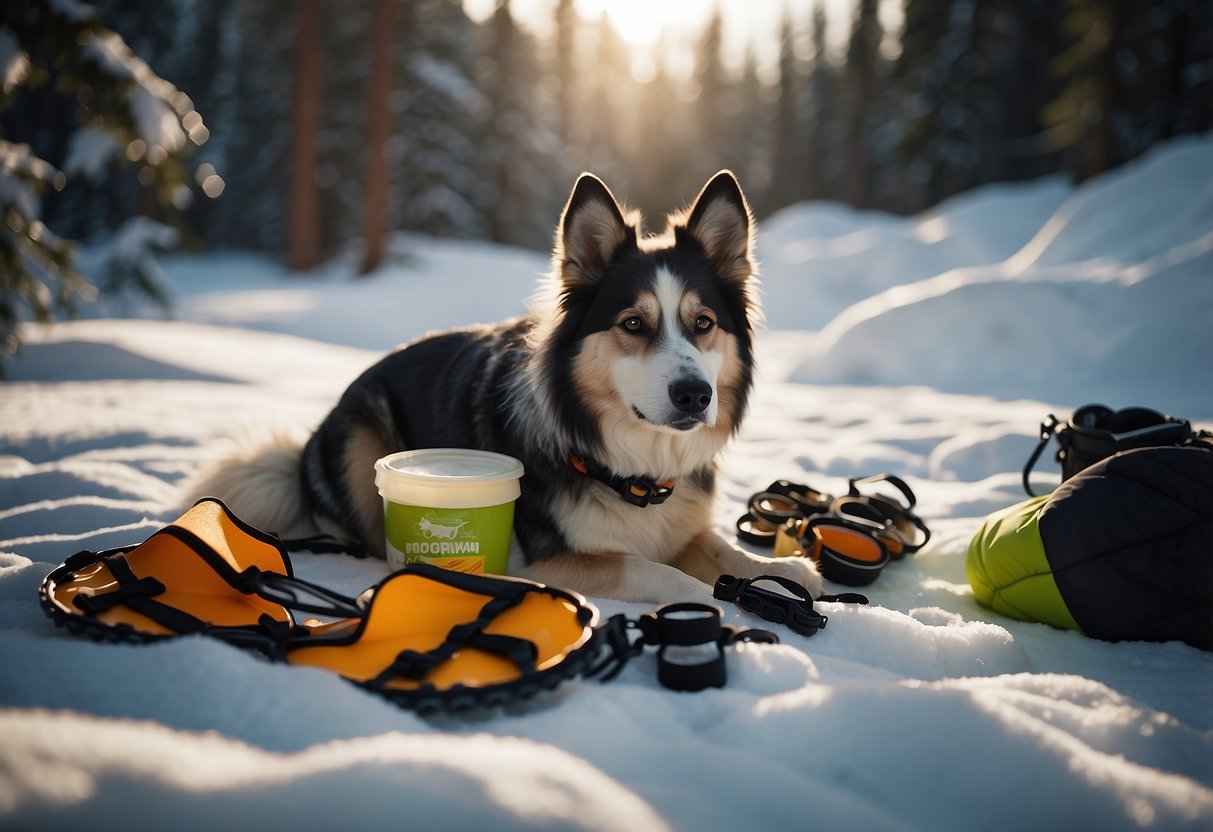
x: 438, y: 476
x: 453, y: 466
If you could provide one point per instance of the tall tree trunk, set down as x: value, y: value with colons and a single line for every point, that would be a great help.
x: 303, y: 204
x: 378, y: 130
x: 859, y: 79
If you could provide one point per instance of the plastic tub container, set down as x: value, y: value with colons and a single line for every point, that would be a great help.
x: 451, y: 507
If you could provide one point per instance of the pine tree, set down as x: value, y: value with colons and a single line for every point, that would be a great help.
x: 251, y: 127
x: 860, y: 85
x: 199, y: 60
x: 823, y: 151
x: 602, y: 119
x: 303, y: 204
x: 974, y: 75
x: 126, y: 115
x: 518, y: 137
x: 434, y: 152
x: 565, y: 69
x: 791, y: 163
x: 1133, y: 73
x: 1186, y: 71
x: 748, y: 141
x: 711, y: 85
x: 656, y: 161
x: 919, y: 74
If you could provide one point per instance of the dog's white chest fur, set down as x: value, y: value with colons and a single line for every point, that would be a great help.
x: 606, y: 522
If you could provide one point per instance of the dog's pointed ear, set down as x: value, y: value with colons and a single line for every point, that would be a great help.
x: 721, y: 220
x: 591, y: 230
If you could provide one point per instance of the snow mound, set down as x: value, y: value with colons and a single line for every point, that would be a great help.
x: 833, y: 256
x: 1109, y: 302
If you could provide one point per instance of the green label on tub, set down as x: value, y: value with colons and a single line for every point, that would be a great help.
x: 463, y: 539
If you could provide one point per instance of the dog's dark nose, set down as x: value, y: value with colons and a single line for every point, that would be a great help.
x: 691, y: 395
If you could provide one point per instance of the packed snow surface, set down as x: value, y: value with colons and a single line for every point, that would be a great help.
x: 929, y: 347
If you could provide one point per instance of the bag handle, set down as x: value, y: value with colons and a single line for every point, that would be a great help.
x: 1047, y: 429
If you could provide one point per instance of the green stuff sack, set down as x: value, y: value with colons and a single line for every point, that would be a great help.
x: 1122, y: 551
x: 1009, y: 571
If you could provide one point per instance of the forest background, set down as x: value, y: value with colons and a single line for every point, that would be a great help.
x: 313, y: 125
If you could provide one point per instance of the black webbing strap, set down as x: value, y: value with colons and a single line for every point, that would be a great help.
x: 326, y: 544
x: 138, y: 594
x: 416, y: 665
x: 294, y: 593
x: 1047, y: 429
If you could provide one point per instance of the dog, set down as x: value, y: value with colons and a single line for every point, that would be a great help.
x: 617, y: 392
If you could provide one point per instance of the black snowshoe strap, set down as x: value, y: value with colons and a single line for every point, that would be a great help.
x: 413, y: 664
x: 138, y: 594
x: 326, y: 544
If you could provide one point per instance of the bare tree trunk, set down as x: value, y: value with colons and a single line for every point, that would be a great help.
x: 303, y: 204
x: 378, y: 130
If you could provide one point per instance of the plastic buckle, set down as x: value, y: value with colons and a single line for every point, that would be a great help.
x: 641, y: 492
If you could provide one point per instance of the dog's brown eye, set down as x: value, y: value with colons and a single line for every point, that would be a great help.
x: 632, y: 324
x: 703, y: 323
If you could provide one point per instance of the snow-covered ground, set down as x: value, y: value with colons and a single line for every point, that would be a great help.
x: 930, y: 347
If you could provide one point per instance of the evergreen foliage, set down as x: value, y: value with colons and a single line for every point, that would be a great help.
x: 490, y: 121
x: 518, y: 137
x: 122, y: 114
x: 1135, y: 72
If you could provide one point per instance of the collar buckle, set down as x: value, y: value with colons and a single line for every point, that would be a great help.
x: 642, y: 491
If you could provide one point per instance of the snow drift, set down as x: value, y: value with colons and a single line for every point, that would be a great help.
x: 1107, y: 298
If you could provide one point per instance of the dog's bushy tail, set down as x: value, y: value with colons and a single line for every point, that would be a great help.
x: 259, y: 480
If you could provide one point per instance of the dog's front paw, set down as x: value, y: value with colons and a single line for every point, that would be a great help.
x: 801, y: 570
